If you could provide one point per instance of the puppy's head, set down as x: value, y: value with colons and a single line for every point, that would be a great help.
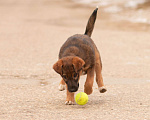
x: 70, y: 70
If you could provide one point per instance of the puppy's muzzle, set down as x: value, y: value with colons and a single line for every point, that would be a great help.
x: 73, y: 88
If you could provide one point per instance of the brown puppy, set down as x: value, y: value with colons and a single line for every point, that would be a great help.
x: 79, y: 55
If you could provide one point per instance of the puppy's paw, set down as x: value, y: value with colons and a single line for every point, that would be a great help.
x: 62, y: 87
x: 69, y: 103
x: 88, y: 91
x: 102, y: 89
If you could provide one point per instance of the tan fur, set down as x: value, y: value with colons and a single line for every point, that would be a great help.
x: 78, y: 63
x: 58, y: 66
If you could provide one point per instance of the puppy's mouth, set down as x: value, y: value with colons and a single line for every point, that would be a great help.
x: 73, y: 88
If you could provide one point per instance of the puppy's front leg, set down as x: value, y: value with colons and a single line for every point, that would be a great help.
x: 62, y: 85
x: 70, y: 98
x: 89, y: 81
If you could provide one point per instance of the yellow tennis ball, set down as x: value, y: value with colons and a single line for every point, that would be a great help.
x: 81, y: 98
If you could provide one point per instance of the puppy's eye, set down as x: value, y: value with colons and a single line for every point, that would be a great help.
x: 75, y: 75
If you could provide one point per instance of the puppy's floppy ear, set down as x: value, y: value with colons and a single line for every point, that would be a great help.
x: 58, y: 66
x: 77, y: 63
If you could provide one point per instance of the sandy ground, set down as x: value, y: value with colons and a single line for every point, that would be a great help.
x: 31, y: 33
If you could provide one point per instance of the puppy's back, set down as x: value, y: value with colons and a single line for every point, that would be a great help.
x: 81, y: 46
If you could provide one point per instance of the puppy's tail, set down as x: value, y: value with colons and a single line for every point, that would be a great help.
x: 91, y: 22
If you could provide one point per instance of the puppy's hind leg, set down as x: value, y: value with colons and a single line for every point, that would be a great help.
x: 62, y: 85
x: 89, y: 81
x: 99, y: 78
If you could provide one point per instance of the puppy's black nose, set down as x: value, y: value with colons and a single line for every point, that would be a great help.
x: 73, y: 89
